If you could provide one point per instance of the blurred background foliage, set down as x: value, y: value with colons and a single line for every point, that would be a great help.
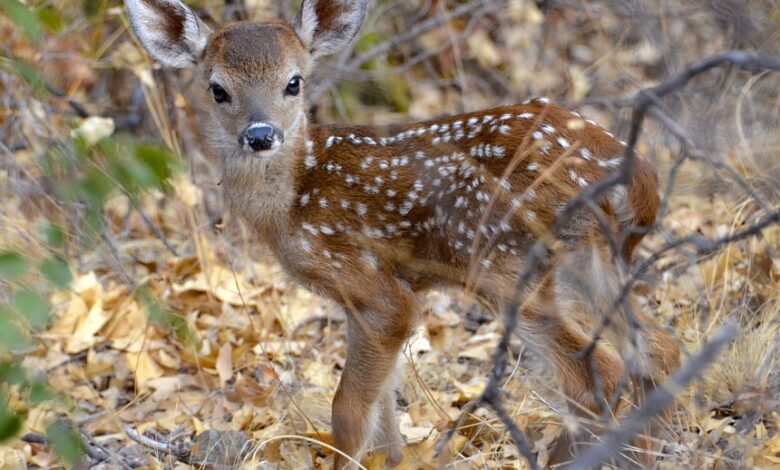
x: 102, y: 170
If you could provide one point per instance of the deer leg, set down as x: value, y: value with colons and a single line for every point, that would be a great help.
x: 589, y: 381
x: 363, y: 405
x: 387, y: 438
x: 653, y: 356
x: 661, y: 356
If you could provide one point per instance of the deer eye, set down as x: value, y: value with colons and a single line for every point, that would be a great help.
x: 294, y: 86
x: 220, y: 95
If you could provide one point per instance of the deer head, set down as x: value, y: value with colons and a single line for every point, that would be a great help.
x: 255, y: 73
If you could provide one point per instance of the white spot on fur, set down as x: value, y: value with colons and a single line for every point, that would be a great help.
x: 578, y: 179
x: 371, y: 260
x: 613, y: 163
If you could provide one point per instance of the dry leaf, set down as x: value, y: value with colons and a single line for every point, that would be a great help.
x: 225, y: 364
x: 144, y: 368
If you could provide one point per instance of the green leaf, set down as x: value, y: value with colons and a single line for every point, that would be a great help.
x: 96, y: 186
x: 33, y: 307
x: 141, y: 175
x: 158, y: 314
x: 12, y: 265
x: 23, y: 17
x: 56, y: 271
x: 50, y: 18
x: 25, y: 71
x: 12, y: 373
x: 40, y: 392
x: 66, y: 441
x: 160, y: 160
x: 10, y: 422
x: 12, y: 337
x: 133, y: 176
x: 55, y: 237
x: 93, y: 7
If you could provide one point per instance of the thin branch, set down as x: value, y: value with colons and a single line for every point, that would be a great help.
x: 419, y: 29
x: 155, y: 229
x: 657, y: 401
x: 93, y: 450
x: 181, y: 453
x: 642, y: 103
x: 352, y: 68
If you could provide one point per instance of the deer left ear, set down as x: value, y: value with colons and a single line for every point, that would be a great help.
x: 326, y: 26
x: 171, y: 32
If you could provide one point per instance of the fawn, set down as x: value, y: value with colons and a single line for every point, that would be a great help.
x: 371, y: 217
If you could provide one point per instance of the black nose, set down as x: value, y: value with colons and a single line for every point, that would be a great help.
x: 259, y: 136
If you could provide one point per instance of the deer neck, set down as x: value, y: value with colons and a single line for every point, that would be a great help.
x: 261, y: 189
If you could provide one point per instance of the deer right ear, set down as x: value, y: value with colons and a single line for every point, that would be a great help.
x: 326, y: 26
x: 169, y: 30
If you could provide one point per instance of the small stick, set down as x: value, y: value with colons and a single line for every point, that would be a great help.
x: 658, y: 400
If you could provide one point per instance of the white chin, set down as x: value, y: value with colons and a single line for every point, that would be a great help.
x: 263, y: 153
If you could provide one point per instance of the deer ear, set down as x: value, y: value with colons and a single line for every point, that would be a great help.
x: 169, y: 30
x: 326, y: 26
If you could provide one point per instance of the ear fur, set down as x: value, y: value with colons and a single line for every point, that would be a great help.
x: 326, y: 26
x: 169, y: 30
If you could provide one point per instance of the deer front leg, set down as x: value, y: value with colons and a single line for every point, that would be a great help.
x: 387, y: 438
x: 363, y: 408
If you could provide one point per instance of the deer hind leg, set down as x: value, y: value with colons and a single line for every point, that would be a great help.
x: 661, y: 356
x: 649, y: 353
x: 387, y: 437
x: 588, y: 381
x: 363, y: 407
x: 548, y: 326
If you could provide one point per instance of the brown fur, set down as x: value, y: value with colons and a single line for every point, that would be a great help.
x: 371, y: 217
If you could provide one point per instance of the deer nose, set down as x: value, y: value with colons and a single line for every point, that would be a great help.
x: 260, y: 136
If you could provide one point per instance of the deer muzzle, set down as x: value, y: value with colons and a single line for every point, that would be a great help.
x: 261, y: 136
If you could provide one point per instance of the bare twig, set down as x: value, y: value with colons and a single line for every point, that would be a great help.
x: 179, y: 452
x: 421, y: 28
x: 344, y: 67
x: 155, y: 229
x: 146, y: 441
x: 657, y: 401
x: 82, y: 356
x: 94, y: 451
x: 540, y: 251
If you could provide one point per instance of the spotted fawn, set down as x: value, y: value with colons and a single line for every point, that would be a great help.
x: 371, y: 217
